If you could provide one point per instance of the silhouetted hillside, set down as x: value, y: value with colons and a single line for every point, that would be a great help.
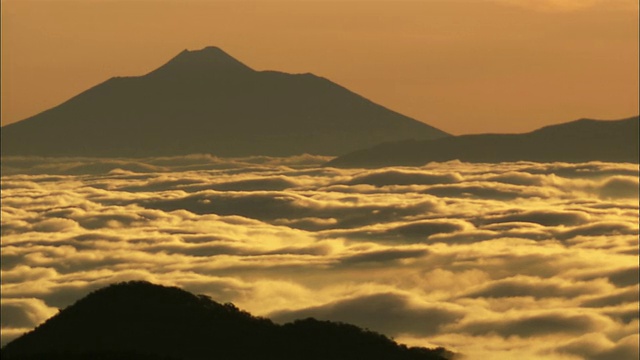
x: 208, y: 102
x: 139, y: 320
x: 577, y: 141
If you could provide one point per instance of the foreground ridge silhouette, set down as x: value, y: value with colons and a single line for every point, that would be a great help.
x: 206, y: 101
x: 576, y: 141
x: 140, y: 320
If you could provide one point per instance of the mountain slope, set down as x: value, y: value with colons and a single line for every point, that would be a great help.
x: 206, y: 101
x: 577, y: 141
x: 146, y: 321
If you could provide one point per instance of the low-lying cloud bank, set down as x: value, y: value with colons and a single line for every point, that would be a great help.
x: 493, y: 261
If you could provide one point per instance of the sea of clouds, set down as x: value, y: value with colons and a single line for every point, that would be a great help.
x: 504, y: 261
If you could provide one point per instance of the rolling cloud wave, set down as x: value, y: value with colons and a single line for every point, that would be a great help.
x: 527, y: 259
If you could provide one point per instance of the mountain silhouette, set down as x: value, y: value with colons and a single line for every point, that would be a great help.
x: 140, y: 320
x: 576, y: 141
x: 206, y: 101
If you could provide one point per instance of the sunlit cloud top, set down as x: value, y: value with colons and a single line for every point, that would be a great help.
x: 512, y: 260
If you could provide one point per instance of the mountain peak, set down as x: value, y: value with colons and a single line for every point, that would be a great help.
x: 140, y: 320
x: 209, y: 53
x: 205, y: 101
x: 208, y: 60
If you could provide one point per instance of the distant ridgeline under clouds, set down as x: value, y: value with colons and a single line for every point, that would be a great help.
x: 207, y: 102
x: 139, y: 320
x: 577, y: 141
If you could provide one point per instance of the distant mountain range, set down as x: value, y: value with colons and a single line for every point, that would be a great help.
x: 139, y: 320
x: 206, y: 101
x: 577, y: 141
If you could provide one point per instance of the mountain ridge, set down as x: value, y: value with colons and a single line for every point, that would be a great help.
x: 141, y: 320
x: 206, y: 101
x: 574, y: 141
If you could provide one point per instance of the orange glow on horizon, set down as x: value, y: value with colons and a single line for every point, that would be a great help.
x: 462, y: 66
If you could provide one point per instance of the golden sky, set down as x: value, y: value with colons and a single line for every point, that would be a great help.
x: 464, y: 66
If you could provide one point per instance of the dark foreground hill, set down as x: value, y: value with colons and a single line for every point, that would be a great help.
x: 577, y: 141
x: 206, y: 101
x: 139, y: 320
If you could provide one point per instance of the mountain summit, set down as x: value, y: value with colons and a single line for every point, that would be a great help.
x: 205, y: 62
x: 140, y: 320
x: 206, y: 101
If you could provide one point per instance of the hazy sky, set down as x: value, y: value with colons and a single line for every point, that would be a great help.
x: 462, y: 66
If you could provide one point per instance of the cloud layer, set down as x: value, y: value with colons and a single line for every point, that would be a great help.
x: 526, y: 259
